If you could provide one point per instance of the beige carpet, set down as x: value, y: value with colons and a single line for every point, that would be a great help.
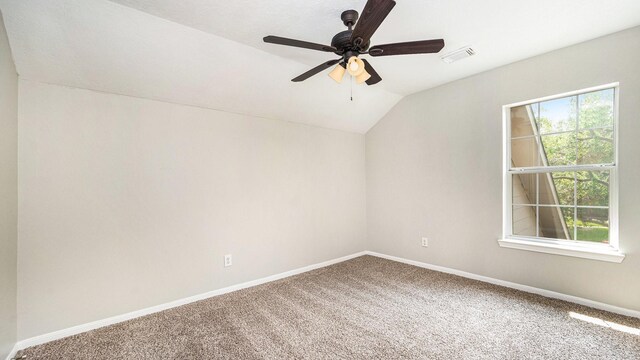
x: 365, y: 308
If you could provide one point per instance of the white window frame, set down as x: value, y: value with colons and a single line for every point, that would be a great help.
x: 605, y: 252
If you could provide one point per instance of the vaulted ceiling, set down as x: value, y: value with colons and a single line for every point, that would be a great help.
x: 210, y: 53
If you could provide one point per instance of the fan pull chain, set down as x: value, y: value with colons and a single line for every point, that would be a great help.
x: 351, y: 82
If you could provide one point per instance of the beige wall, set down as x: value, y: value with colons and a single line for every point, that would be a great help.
x: 434, y: 169
x: 8, y: 194
x: 127, y: 203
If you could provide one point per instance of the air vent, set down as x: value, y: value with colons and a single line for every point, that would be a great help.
x: 459, y: 54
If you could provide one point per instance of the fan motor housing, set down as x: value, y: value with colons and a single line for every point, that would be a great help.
x: 342, y: 42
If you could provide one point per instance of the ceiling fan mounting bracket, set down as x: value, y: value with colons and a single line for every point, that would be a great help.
x: 349, y: 18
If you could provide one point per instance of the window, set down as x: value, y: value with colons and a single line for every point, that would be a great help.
x: 560, y: 190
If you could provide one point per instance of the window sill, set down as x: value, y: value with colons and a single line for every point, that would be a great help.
x: 593, y: 253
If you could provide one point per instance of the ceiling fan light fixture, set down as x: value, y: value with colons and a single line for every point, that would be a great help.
x: 355, y: 66
x: 337, y: 73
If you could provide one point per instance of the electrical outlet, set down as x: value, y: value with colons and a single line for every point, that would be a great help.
x: 227, y: 260
x: 425, y: 242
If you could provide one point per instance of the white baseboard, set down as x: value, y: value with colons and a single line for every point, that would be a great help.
x: 13, y: 352
x: 529, y: 289
x: 41, y: 339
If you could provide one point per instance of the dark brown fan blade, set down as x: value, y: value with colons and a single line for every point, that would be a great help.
x: 375, y: 78
x: 407, y: 48
x: 315, y: 70
x: 373, y: 14
x: 298, y: 43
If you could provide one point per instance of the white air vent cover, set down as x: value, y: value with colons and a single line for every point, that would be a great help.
x: 458, y: 54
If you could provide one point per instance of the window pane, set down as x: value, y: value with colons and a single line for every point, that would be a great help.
x: 595, y: 146
x: 524, y: 220
x: 593, y: 225
x: 521, y: 122
x: 524, y: 152
x: 569, y: 216
x: 560, y: 149
x: 593, y: 188
x: 534, y: 110
x: 553, y: 222
x: 596, y: 109
x: 557, y: 188
x: 524, y: 189
x: 557, y: 115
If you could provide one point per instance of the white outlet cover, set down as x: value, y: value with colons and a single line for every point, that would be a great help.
x: 227, y: 260
x: 425, y: 242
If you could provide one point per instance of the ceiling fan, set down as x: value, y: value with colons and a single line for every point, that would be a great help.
x: 350, y: 44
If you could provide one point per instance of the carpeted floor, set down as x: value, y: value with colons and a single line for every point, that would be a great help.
x: 365, y: 308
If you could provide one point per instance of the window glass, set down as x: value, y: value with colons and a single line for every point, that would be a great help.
x: 595, y: 146
x: 596, y: 109
x: 558, y: 115
x: 592, y: 188
x: 559, y: 149
x: 592, y: 225
x: 575, y: 136
x: 557, y: 188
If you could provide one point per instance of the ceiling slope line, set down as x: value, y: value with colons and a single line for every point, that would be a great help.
x: 202, y: 107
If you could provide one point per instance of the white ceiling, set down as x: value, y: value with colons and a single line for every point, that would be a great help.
x: 211, y: 54
x: 100, y: 45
